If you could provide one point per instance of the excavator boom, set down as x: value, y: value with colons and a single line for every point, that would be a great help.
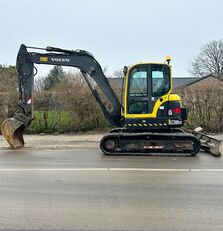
x: 13, y: 128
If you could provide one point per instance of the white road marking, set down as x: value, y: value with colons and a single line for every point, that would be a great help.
x: 151, y: 169
x: 110, y: 169
x: 207, y: 170
x: 51, y: 169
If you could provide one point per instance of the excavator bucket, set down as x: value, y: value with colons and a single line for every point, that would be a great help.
x: 12, y: 130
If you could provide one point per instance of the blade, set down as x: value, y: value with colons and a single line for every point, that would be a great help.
x: 210, y: 144
x: 12, y: 130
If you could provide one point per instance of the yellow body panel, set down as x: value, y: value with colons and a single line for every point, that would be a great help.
x: 166, y: 97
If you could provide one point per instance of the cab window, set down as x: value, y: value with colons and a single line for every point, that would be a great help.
x: 160, y: 79
x: 138, y: 82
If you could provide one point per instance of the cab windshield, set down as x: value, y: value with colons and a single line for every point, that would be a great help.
x: 151, y: 79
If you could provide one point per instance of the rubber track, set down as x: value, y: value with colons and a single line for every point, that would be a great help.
x: 132, y: 138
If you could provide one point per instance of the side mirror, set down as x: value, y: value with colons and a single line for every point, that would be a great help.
x: 125, y: 70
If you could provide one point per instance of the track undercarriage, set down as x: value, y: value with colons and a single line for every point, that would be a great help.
x: 172, y: 143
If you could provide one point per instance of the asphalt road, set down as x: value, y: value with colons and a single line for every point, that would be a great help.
x: 81, y: 189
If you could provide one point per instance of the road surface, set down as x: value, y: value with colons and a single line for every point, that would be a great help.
x: 81, y: 189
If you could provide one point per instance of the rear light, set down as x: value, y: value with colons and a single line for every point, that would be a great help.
x: 176, y: 110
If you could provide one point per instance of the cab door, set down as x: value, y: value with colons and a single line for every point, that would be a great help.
x: 139, y: 91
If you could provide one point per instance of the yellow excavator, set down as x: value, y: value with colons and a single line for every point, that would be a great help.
x: 148, y: 121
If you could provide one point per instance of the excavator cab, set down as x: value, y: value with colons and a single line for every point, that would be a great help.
x: 149, y: 103
x: 146, y: 83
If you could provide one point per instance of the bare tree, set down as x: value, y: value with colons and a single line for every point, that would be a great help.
x: 118, y: 74
x: 203, y: 108
x: 8, y: 92
x: 209, y: 61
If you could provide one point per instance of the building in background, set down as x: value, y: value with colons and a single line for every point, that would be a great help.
x: 178, y: 82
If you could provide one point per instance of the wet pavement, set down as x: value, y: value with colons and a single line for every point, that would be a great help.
x: 75, y: 187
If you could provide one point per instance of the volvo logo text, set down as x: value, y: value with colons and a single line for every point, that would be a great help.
x: 60, y: 60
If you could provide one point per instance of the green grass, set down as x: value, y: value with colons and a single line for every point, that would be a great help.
x: 57, y: 121
x: 63, y: 121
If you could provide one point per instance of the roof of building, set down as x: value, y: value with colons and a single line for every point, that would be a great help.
x: 184, y: 81
x: 116, y: 83
x: 199, y: 79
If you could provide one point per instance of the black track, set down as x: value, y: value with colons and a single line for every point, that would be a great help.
x: 122, y: 142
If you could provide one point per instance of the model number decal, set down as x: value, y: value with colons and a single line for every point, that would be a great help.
x: 60, y: 60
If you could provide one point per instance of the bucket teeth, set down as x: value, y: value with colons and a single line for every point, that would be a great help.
x: 12, y: 129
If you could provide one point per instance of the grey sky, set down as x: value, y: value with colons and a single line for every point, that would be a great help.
x: 116, y: 32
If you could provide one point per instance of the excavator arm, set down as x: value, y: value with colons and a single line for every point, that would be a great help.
x: 13, y: 128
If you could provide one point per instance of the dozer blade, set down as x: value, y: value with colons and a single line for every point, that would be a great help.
x: 210, y: 144
x: 12, y: 130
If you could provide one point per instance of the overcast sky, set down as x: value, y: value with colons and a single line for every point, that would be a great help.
x: 116, y: 32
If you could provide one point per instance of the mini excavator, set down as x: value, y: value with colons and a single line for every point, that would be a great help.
x: 148, y: 122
